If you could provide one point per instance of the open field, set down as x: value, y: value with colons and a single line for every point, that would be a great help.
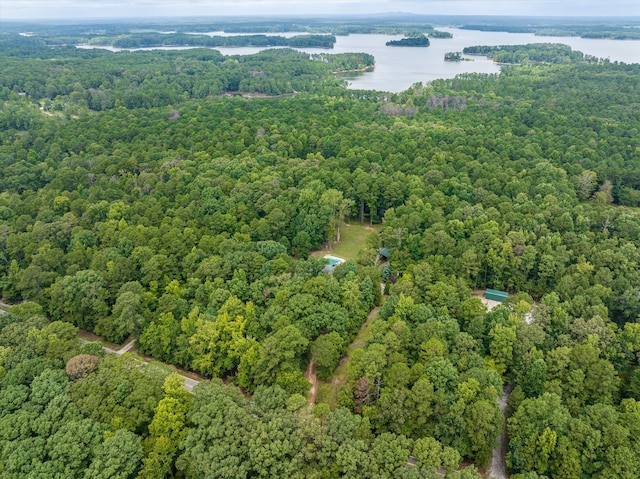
x: 352, y: 237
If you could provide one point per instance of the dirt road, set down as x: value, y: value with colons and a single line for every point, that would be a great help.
x: 498, y: 469
x: 310, y: 374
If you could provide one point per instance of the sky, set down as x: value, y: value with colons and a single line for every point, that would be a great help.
x: 70, y: 9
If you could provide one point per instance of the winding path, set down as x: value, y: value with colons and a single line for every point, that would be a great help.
x: 310, y: 374
x: 498, y: 469
x: 4, y: 307
x: 122, y: 350
x: 189, y: 384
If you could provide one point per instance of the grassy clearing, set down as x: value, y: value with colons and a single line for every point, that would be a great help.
x: 352, y: 237
x: 328, y: 389
x: 327, y: 392
x: 166, y: 367
x: 157, y: 366
x: 364, y: 333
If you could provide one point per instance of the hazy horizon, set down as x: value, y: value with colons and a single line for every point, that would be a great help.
x: 120, y: 9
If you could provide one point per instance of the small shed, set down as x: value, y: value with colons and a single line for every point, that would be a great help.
x: 495, y: 295
x: 384, y: 253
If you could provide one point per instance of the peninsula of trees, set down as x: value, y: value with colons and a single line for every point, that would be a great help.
x: 140, y: 40
x: 585, y: 28
x: 440, y: 34
x: 533, y: 52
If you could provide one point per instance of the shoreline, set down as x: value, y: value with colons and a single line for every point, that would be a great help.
x: 364, y: 69
x: 87, y: 46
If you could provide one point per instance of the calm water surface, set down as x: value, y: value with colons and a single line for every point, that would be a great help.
x: 397, y: 68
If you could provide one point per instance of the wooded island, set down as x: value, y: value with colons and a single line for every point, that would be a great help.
x: 419, y: 41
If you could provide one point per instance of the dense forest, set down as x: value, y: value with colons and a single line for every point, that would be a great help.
x: 139, y: 40
x: 74, y: 32
x: 585, y: 28
x: 389, y: 23
x: 142, y: 197
x: 76, y: 80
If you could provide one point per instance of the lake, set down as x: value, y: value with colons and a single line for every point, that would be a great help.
x: 397, y: 68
